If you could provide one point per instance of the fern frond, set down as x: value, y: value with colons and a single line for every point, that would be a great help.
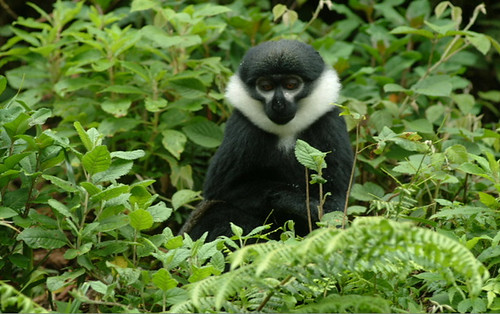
x: 371, y: 244
x: 396, y: 242
x: 347, y: 304
x: 12, y: 300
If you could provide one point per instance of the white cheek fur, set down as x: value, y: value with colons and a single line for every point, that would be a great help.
x: 311, y: 108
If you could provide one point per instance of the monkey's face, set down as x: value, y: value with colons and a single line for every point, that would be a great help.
x: 279, y: 94
x: 283, y: 86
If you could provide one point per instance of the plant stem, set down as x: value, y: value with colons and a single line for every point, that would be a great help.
x: 308, y: 206
x: 270, y: 294
x: 351, y: 178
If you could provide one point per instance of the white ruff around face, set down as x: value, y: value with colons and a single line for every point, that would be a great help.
x: 310, y: 108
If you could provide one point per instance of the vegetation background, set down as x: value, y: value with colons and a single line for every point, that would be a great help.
x: 110, y: 111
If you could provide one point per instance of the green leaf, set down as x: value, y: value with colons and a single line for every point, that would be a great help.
x: 6, y: 212
x: 278, y: 11
x: 457, y: 154
x: 367, y: 192
x: 309, y: 156
x: 141, y: 5
x: 174, y: 142
x: 60, y: 208
x: 489, y: 200
x: 481, y: 42
x: 140, y: 197
x: 211, y: 10
x: 97, y: 160
x: 40, y: 116
x: 438, y: 85
x: 18, y: 126
x: 174, y: 243
x: 163, y: 280
x: 160, y: 212
x: 202, y: 273
x: 204, y: 133
x: 3, y: 83
x: 57, y: 282
x: 155, y: 105
x: 420, y: 125
x: 39, y: 237
x: 90, y: 188
x: 84, y: 137
x: 65, y: 185
x: 164, y: 40
x: 182, y: 197
x: 73, y: 253
x: 140, y: 219
x: 413, y: 31
x: 495, y: 43
x: 110, y: 193
x: 123, y: 89
x: 118, y: 107
x: 131, y: 155
x: 117, y: 169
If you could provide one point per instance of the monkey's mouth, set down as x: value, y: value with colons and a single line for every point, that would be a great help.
x: 282, y: 119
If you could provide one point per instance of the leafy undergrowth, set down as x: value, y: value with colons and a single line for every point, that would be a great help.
x: 108, y: 119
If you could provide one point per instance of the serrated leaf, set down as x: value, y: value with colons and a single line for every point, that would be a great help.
x: 115, y: 171
x: 110, y: 193
x: 118, y: 107
x: 174, y: 142
x: 90, y: 188
x: 57, y: 282
x: 160, y: 212
x: 59, y: 207
x: 140, y: 196
x: 84, y: 137
x: 438, y: 85
x: 457, y: 154
x: 163, y: 280
x: 481, y: 42
x: 99, y: 286
x: 309, y: 156
x: 183, y: 197
x: 140, y: 219
x: 130, y: 155
x: 174, y: 243
x: 40, y: 116
x: 204, y: 133
x: 38, y: 237
x: 97, y: 160
x: 155, y: 105
x: 63, y: 184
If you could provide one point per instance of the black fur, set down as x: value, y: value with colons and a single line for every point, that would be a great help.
x: 251, y: 176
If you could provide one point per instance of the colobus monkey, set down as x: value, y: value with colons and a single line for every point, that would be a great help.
x: 282, y: 91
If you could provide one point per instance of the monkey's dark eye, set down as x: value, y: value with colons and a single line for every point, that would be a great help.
x: 265, y: 85
x: 291, y: 83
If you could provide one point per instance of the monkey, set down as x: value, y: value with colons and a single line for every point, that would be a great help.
x: 282, y: 91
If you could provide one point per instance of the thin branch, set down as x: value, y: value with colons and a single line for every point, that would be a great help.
x: 308, y: 205
x: 8, y: 9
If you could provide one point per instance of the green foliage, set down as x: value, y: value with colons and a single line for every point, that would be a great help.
x: 370, y: 248
x: 108, y: 118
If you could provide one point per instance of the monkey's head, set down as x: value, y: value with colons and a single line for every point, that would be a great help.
x: 283, y: 86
